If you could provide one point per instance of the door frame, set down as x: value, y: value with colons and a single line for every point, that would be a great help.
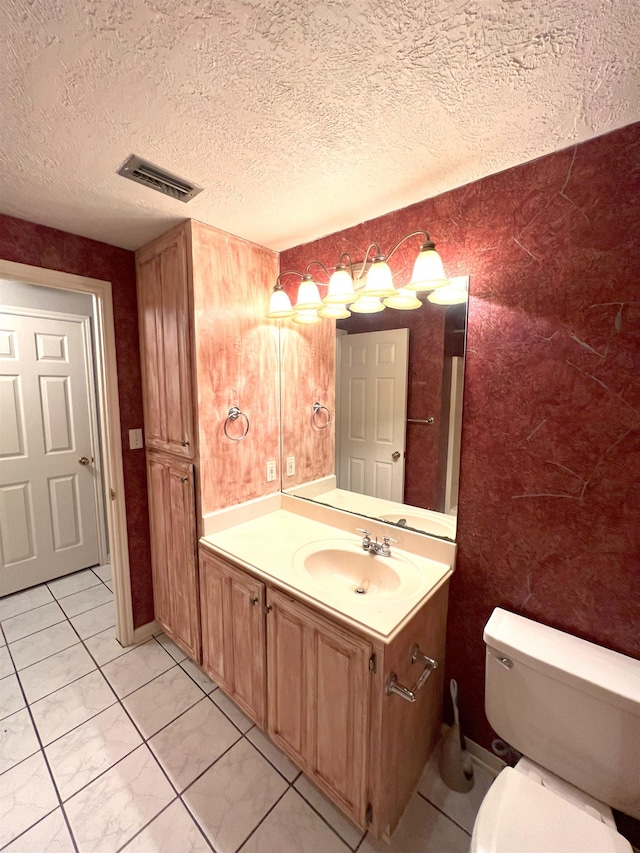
x: 109, y: 416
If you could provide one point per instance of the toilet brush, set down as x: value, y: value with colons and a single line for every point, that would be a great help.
x: 455, y: 764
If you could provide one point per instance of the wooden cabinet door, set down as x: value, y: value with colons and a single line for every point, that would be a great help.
x: 319, y: 690
x: 173, y: 550
x: 234, y: 634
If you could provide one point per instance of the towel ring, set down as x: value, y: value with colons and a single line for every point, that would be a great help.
x: 318, y: 408
x: 234, y: 414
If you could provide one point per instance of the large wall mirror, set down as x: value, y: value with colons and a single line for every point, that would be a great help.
x: 386, y: 443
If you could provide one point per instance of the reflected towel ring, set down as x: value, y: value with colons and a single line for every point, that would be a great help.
x: 318, y: 408
x: 234, y: 414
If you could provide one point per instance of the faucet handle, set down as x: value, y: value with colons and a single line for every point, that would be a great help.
x: 366, y: 538
x: 387, y: 539
x: 363, y: 531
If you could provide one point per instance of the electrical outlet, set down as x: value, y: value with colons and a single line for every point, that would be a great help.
x: 135, y: 439
x: 291, y: 466
x: 271, y: 470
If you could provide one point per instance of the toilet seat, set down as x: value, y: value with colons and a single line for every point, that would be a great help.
x: 520, y: 815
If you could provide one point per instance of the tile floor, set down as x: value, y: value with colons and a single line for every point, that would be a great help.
x: 104, y: 748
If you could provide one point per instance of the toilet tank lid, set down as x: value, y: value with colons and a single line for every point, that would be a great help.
x: 612, y: 676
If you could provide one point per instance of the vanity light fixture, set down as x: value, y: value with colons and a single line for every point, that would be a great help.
x: 456, y: 292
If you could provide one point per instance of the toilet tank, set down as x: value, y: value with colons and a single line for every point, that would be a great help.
x: 569, y: 705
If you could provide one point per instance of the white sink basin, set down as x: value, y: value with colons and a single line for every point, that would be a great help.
x: 341, y: 568
x: 422, y: 522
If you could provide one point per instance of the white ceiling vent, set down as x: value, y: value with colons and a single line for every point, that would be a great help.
x: 143, y: 172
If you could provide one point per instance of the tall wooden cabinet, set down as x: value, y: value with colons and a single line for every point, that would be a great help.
x: 201, y: 292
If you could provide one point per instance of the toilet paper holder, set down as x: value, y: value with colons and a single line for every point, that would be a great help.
x: 410, y: 694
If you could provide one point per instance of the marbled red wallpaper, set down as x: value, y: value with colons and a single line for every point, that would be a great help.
x: 28, y: 243
x: 549, y: 508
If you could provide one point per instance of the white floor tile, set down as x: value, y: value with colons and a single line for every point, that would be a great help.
x: 193, y: 742
x: 293, y: 825
x: 104, y: 647
x: 162, y: 700
x: 462, y: 808
x: 173, y: 831
x: 50, y: 835
x: 26, y: 795
x: 42, y: 645
x: 271, y: 752
x: 73, y: 583
x: 137, y: 667
x: 17, y: 739
x: 169, y: 646
x: 94, y: 621
x: 230, y: 799
x: 32, y: 621
x: 6, y: 664
x: 422, y: 829
x: 103, y: 572
x: 86, y: 599
x: 20, y: 602
x: 110, y: 811
x: 201, y: 678
x: 88, y: 750
x: 55, y: 672
x: 58, y: 713
x: 347, y: 830
x: 237, y: 717
x: 10, y: 696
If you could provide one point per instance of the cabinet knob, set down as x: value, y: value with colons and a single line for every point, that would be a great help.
x: 185, y: 444
x: 252, y: 600
x: 184, y: 479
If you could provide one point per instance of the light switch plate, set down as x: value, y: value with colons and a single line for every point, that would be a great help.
x: 271, y: 470
x: 291, y: 466
x: 135, y: 439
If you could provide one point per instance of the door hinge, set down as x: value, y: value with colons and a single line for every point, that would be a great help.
x: 373, y: 664
x: 368, y: 815
x: 113, y: 494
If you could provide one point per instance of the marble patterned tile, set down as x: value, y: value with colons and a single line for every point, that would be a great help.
x: 115, y: 806
x: 169, y: 646
x: 32, y: 621
x: 274, y: 755
x: 232, y: 797
x: 347, y: 830
x: 11, y: 699
x: 20, y: 602
x: 50, y: 835
x: 103, y: 572
x: 43, y: 644
x: 162, y: 700
x: 94, y: 621
x: 6, y: 664
x: 59, y: 712
x: 70, y: 584
x: 237, y: 717
x: 201, y: 678
x: 86, y: 599
x: 55, y: 672
x: 137, y: 667
x: 104, y: 647
x: 293, y: 825
x: 17, y: 739
x: 173, y: 830
x: 190, y: 744
x: 462, y: 808
x: 422, y: 828
x: 88, y: 750
x: 26, y: 795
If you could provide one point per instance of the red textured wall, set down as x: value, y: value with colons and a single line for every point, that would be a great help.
x: 549, y: 522
x: 27, y: 243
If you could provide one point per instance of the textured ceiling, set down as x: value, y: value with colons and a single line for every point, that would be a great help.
x: 299, y: 117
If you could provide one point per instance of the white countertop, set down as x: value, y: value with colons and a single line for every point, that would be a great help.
x: 266, y: 547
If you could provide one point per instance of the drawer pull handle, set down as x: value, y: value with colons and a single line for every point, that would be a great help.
x: 410, y: 694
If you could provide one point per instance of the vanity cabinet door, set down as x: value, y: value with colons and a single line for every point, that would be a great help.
x: 233, y: 633
x: 319, y: 690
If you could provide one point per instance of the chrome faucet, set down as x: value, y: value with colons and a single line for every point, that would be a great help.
x: 374, y: 547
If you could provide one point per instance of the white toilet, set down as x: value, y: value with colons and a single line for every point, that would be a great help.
x: 573, y: 708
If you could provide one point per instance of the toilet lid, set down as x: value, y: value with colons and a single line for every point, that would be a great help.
x: 518, y: 815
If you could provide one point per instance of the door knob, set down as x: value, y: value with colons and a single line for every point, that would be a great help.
x: 84, y: 460
x: 395, y: 454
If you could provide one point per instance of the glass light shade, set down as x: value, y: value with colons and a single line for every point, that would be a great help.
x: 334, y: 312
x: 403, y: 300
x: 428, y: 272
x: 280, y: 305
x: 340, y: 288
x: 367, y: 305
x: 454, y: 294
x: 307, y: 318
x: 379, y: 280
x: 308, y: 296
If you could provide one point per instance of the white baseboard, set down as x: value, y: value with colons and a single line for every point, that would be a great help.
x: 145, y: 632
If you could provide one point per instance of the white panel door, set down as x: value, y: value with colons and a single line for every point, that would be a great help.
x: 373, y: 413
x: 48, y: 512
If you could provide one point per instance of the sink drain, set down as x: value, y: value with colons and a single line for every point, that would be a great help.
x: 360, y: 590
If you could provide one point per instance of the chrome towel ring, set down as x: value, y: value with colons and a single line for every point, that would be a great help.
x: 323, y: 424
x: 234, y: 414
